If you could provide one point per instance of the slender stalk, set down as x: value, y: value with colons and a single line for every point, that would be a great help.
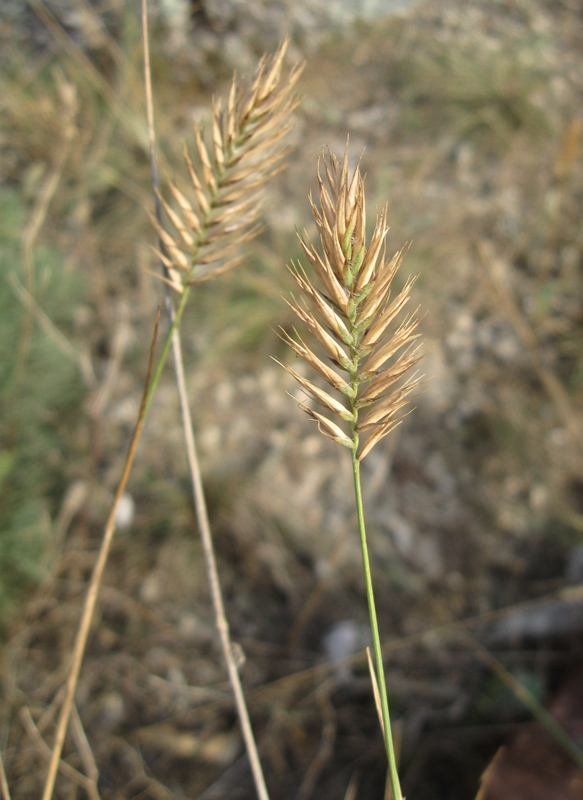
x: 394, y: 777
x: 93, y: 591
x: 3, y: 781
x: 175, y: 317
x: 173, y: 340
x: 199, y: 500
x: 213, y: 573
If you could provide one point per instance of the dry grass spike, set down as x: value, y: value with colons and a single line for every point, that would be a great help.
x: 248, y: 147
x: 353, y: 317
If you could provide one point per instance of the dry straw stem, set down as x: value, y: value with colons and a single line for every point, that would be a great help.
x: 3, y: 781
x: 92, y: 593
x: 248, y: 147
x: 354, y: 317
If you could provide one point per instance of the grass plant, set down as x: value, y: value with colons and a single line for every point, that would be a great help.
x: 248, y: 148
x: 353, y: 316
x: 353, y: 321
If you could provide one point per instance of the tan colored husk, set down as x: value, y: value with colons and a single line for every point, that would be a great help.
x: 248, y: 147
x: 327, y: 427
x: 304, y: 352
x: 353, y: 318
x: 321, y: 396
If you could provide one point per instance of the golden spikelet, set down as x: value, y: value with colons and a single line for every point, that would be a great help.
x: 352, y: 316
x: 248, y: 148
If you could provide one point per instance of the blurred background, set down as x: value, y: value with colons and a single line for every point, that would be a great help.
x: 470, y: 118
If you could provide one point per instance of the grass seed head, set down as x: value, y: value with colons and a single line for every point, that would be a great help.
x: 248, y: 147
x: 353, y: 317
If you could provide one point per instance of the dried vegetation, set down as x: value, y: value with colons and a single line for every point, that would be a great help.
x: 248, y: 148
x: 477, y: 510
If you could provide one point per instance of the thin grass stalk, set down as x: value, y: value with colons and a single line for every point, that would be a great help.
x: 175, y: 318
x: 199, y: 499
x: 87, y: 757
x: 93, y: 591
x: 221, y: 622
x: 3, y: 781
x: 80, y: 780
x: 380, y: 670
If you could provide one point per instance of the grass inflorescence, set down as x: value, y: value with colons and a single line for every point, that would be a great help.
x: 353, y: 321
x: 249, y: 145
x: 352, y: 318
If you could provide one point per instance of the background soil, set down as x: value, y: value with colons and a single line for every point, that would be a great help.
x: 469, y: 118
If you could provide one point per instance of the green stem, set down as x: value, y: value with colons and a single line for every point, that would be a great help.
x: 176, y: 317
x: 394, y: 777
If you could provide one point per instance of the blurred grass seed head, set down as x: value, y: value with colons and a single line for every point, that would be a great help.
x: 249, y: 145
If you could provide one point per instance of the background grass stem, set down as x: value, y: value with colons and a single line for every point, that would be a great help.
x: 91, y: 600
x: 3, y: 781
x: 198, y: 495
x: 204, y: 527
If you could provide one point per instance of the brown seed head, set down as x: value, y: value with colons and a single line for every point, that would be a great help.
x: 353, y: 316
x: 248, y: 147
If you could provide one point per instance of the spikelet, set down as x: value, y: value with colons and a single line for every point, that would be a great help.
x: 353, y: 318
x: 248, y: 145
